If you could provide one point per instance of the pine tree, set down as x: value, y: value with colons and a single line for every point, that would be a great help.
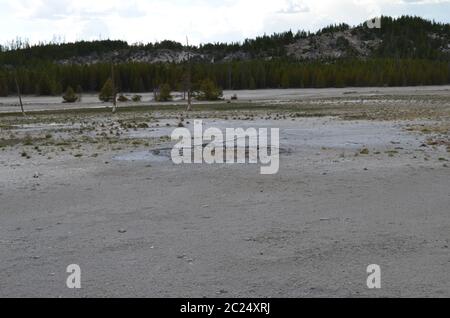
x: 252, y: 83
x: 285, y: 82
x: 107, y: 94
x: 45, y: 86
x: 70, y: 96
x: 164, y: 93
x: 209, y: 91
x: 3, y: 87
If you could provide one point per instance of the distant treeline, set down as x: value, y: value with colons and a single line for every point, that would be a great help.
x: 403, y: 37
x: 20, y: 52
x: 412, y: 51
x: 53, y: 79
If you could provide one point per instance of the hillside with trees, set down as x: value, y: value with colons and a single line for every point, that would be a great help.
x: 404, y: 51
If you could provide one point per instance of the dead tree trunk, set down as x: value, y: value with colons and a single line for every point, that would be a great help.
x: 114, y: 110
x: 19, y: 94
x: 230, y: 85
x: 189, y: 79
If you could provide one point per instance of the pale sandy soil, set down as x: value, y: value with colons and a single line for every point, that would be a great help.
x: 11, y: 104
x: 81, y: 188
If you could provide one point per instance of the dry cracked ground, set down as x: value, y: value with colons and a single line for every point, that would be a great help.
x: 364, y: 179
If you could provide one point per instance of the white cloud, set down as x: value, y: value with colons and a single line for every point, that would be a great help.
x: 294, y: 7
x: 425, y: 1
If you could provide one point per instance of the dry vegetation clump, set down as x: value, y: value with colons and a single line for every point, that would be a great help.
x: 137, y: 98
x: 364, y: 151
x: 122, y: 98
x: 439, y: 133
x: 439, y: 141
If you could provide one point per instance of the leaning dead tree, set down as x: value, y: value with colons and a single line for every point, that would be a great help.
x: 114, y: 91
x: 16, y: 82
x: 19, y: 95
x: 189, y: 78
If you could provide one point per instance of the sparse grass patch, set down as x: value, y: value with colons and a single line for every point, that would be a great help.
x: 431, y: 128
x: 62, y: 143
x: 6, y: 126
x: 391, y: 153
x: 142, y: 125
x: 165, y: 138
x: 28, y: 140
x: 364, y: 151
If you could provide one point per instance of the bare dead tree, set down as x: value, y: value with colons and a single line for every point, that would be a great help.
x: 230, y: 85
x: 19, y: 95
x: 189, y: 78
x: 184, y: 85
x: 114, y: 110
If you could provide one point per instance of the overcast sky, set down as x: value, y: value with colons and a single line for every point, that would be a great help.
x: 203, y: 20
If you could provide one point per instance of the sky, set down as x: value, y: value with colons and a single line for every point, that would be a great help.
x: 202, y: 20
